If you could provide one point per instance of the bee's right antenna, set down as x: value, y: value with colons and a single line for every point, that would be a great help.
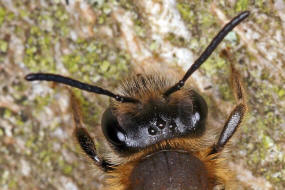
x: 80, y: 85
x: 208, y: 51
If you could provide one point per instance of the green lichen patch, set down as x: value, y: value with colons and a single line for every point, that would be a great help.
x: 95, y: 59
x: 2, y: 15
x: 186, y: 11
x: 241, y: 5
x: 42, y: 38
x: 3, y: 46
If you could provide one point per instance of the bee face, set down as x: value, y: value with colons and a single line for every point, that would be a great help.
x: 130, y: 128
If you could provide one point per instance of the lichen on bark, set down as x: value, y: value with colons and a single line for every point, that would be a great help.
x: 102, y: 42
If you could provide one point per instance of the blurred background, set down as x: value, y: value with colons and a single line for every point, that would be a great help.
x: 104, y: 41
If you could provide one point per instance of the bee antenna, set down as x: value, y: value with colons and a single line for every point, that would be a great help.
x: 79, y: 85
x: 208, y: 51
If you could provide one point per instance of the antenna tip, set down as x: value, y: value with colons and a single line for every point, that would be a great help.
x: 245, y: 14
x: 30, y: 77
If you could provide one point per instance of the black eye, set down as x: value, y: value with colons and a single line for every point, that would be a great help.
x: 200, y: 111
x: 112, y: 130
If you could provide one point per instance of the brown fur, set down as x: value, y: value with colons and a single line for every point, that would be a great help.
x: 217, y: 170
x: 149, y: 88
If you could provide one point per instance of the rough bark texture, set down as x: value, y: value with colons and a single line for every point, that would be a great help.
x: 100, y: 42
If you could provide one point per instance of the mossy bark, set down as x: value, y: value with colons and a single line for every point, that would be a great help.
x: 88, y: 40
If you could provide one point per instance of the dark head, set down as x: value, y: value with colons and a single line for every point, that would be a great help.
x: 131, y: 127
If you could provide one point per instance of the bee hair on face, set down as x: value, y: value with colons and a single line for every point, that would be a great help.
x: 157, y: 125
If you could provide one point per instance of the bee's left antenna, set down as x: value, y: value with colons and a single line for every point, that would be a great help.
x: 208, y: 51
x: 80, y: 85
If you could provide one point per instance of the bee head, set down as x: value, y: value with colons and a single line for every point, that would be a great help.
x: 131, y: 127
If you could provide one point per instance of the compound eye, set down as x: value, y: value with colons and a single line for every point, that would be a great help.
x: 112, y: 130
x: 200, y: 110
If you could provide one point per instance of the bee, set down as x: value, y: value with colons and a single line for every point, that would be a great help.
x: 158, y: 128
